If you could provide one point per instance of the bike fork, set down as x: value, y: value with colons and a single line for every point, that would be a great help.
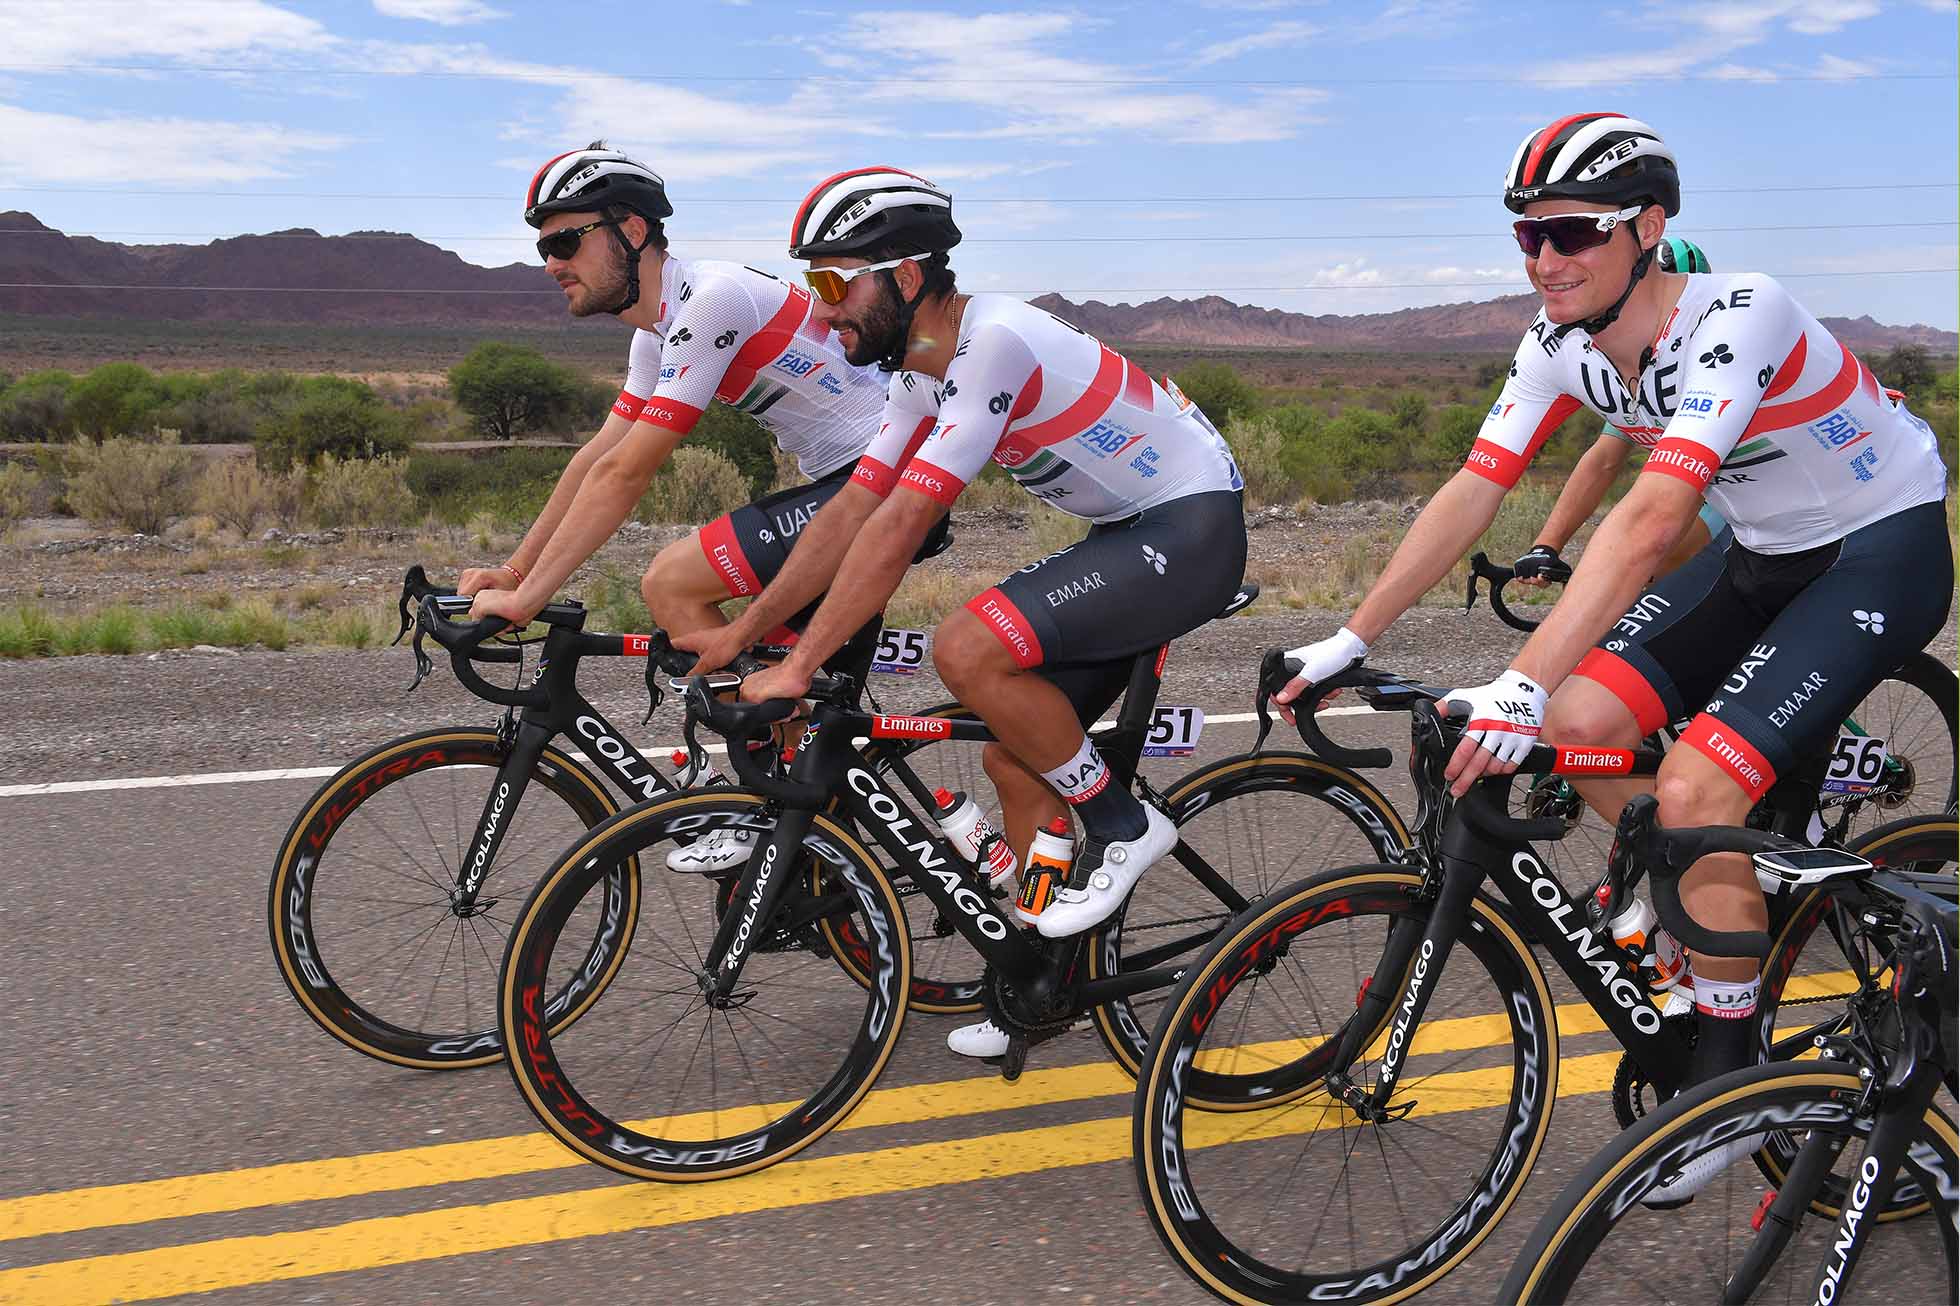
x: 764, y: 881
x: 499, y: 810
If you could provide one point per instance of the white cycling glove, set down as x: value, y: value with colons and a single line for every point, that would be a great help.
x: 1504, y: 715
x: 1331, y: 655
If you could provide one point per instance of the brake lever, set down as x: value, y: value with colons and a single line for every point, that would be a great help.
x: 423, y: 664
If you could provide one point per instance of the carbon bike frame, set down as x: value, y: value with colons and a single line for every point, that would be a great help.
x: 828, y: 766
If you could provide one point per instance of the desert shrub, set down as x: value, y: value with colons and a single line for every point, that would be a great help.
x: 1259, y: 446
x: 116, y: 399
x: 510, y: 391
x: 361, y: 492
x: 994, y: 488
x: 696, y: 486
x: 740, y: 439
x: 1053, y: 530
x: 329, y: 415
x: 507, y: 484
x: 1218, y: 390
x: 1456, y: 430
x: 139, y: 485
x: 36, y: 407
x: 1409, y: 410
x: 18, y: 485
x: 242, y: 495
x: 788, y: 474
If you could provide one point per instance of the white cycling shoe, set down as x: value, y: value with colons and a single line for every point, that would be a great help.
x: 1098, y: 885
x: 987, y: 1040
x: 715, y: 853
x: 1681, y: 1187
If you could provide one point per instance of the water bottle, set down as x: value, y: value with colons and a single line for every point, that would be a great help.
x: 685, y: 776
x: 973, y: 835
x: 1638, y: 928
x: 1047, y: 870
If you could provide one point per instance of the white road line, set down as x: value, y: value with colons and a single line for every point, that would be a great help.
x: 321, y: 772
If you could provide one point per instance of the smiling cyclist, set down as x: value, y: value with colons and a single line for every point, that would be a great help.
x: 704, y: 331
x: 980, y: 378
x: 1839, y: 566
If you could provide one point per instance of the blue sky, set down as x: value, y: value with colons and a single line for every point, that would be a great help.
x: 1319, y: 157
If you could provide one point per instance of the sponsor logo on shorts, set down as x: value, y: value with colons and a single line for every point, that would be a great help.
x: 998, y: 617
x: 731, y: 571
x: 1782, y: 713
x: 1075, y: 589
x: 1735, y: 758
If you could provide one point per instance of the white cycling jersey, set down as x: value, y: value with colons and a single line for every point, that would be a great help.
x: 731, y: 333
x: 1746, y: 397
x: 1074, y: 422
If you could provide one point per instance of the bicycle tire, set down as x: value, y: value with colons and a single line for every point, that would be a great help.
x: 1167, y: 898
x: 1916, y: 709
x: 1277, y: 930
x: 589, y: 1085
x: 1593, y: 1206
x: 341, y: 994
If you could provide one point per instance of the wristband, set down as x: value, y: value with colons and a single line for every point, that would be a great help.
x: 512, y: 570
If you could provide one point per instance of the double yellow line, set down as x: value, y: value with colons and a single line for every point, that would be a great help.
x: 618, y: 1208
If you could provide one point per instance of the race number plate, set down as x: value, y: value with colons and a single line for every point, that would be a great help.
x: 1174, y: 731
x: 900, y: 652
x: 1857, y: 764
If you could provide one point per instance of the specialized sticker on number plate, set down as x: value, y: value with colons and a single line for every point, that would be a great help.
x: 1858, y: 765
x: 900, y: 652
x: 1174, y: 731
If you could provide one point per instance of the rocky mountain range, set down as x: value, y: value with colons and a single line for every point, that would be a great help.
x: 360, y: 279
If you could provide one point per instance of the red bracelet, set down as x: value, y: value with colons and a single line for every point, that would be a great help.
x: 513, y: 571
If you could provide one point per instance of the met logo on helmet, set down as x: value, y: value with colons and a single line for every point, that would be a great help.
x: 849, y: 218
x: 579, y: 178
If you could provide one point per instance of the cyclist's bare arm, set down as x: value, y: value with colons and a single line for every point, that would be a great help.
x: 869, y: 575
x: 1619, y: 560
x: 603, y: 500
x: 807, y: 572
x: 525, y: 556
x: 1440, y: 535
x: 1584, y: 491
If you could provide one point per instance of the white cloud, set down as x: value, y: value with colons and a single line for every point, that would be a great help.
x: 1277, y: 36
x: 1453, y: 274
x: 174, y: 151
x: 1735, y: 72
x: 949, y: 172
x: 88, y: 31
x: 447, y: 13
x: 1835, y: 69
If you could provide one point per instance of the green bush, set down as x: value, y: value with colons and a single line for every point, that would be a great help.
x: 507, y: 484
x: 696, y: 486
x: 739, y: 438
x: 329, y: 415
x: 1259, y: 447
x: 1456, y: 431
x: 1409, y: 411
x: 138, y: 485
x: 1219, y: 391
x: 511, y: 391
x: 360, y: 492
x: 18, y: 484
x: 116, y: 399
x: 36, y: 407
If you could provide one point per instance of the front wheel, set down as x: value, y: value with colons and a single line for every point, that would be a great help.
x: 658, y: 1081
x: 1598, y: 1244
x: 1305, y: 1201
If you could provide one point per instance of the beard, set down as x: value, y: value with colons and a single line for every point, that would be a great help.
x: 876, y: 326
x: 600, y: 295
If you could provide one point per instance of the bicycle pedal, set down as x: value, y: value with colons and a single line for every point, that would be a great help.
x: 1015, y: 1059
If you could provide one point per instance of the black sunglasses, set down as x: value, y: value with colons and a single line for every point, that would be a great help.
x: 1570, y: 232
x: 564, y: 243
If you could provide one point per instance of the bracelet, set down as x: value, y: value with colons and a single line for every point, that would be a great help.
x: 513, y: 571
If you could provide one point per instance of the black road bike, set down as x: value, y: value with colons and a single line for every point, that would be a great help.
x: 1399, y: 1026
x: 725, y: 1046
x: 1853, y: 1125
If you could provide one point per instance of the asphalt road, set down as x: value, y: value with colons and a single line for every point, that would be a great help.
x: 176, y: 1127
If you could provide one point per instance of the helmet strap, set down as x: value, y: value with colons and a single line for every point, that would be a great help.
x: 895, y: 360
x: 1592, y: 326
x: 632, y: 253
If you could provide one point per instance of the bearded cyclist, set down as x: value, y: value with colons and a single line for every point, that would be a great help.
x: 1839, y: 567
x: 981, y: 378
x: 1602, y: 464
x: 703, y: 330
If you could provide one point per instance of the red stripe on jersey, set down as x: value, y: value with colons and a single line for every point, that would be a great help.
x: 1730, y: 751
x: 725, y: 556
x: 765, y: 346
x: 1684, y: 460
x: 1617, y: 677
x: 1136, y: 386
x: 1494, y: 462
x: 1030, y: 396
x: 941, y: 487
x: 1078, y: 417
x: 875, y: 476
x: 670, y: 414
x: 1546, y: 137
x: 1866, y: 381
x: 1778, y: 417
x: 628, y: 405
x: 917, y: 438
x: 1008, y: 625
x: 1788, y: 370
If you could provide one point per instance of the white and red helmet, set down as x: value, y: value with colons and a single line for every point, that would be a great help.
x: 869, y: 209
x: 1601, y: 158
x: 588, y: 180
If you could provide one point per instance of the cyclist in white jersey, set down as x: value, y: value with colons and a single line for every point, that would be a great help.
x: 990, y: 378
x: 705, y: 330
x: 1839, y: 567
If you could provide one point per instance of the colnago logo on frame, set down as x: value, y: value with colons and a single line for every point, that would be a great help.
x: 1612, y: 971
x: 899, y: 825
